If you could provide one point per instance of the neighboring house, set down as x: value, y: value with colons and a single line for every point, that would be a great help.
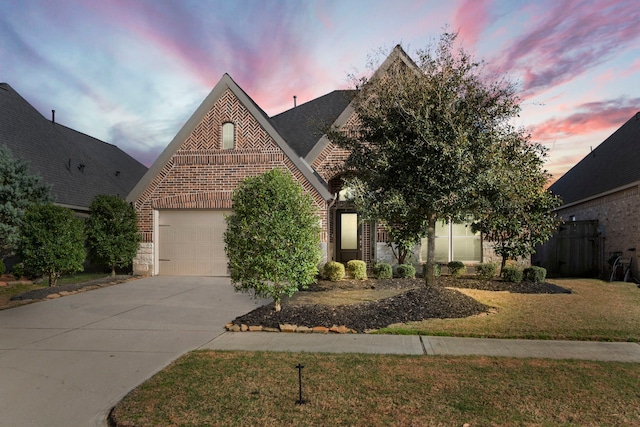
x: 601, y: 201
x: 78, y: 167
x: 185, y: 195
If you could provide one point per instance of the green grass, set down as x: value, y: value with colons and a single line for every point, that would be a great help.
x: 595, y: 311
x: 256, y: 388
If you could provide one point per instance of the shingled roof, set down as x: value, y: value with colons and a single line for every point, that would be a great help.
x: 303, y: 126
x: 77, y: 166
x: 611, y: 165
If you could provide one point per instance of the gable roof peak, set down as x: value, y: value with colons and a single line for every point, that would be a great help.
x: 397, y: 54
x: 224, y: 84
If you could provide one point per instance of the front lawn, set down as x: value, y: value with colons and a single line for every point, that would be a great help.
x: 595, y: 310
x: 256, y: 388
x: 573, y: 309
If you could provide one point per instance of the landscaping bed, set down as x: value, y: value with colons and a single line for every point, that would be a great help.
x: 412, y: 301
x: 42, y: 293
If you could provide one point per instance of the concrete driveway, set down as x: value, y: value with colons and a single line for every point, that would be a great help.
x: 67, y: 361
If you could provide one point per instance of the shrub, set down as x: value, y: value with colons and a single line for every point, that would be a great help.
x: 52, y: 241
x: 3, y: 268
x: 333, y: 271
x: 456, y: 268
x: 276, y: 254
x: 534, y: 274
x: 358, y: 269
x: 18, y: 271
x: 407, y: 271
x: 112, y: 232
x: 382, y: 270
x: 512, y: 275
x: 486, y: 271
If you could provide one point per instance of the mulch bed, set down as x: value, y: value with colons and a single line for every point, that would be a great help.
x: 417, y: 303
x: 37, y: 294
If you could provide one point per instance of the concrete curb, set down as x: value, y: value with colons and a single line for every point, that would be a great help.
x: 426, y: 345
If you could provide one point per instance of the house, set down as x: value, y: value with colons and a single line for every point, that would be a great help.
x: 78, y: 167
x: 601, y: 201
x: 183, y: 199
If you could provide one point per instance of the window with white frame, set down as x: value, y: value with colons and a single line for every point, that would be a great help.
x: 454, y: 242
x: 228, y: 136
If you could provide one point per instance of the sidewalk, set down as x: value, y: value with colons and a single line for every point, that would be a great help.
x: 425, y: 345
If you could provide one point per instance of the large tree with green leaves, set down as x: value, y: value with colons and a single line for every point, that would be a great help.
x: 426, y: 134
x: 52, y: 241
x: 273, y: 236
x: 404, y: 228
x: 514, y: 210
x: 112, y: 232
x: 19, y: 189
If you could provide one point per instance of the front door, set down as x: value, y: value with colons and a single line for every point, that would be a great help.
x: 348, y: 237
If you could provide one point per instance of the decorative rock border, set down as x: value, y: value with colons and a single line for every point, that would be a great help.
x: 231, y: 327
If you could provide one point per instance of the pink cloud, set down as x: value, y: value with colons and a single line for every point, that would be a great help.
x: 571, y: 38
x: 470, y: 19
x: 209, y: 46
x: 589, y: 117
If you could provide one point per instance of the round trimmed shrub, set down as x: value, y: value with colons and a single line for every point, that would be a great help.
x: 333, y: 271
x: 534, y: 274
x: 456, y: 268
x: 358, y: 269
x: 512, y: 275
x: 486, y: 271
x: 18, y: 271
x: 382, y: 270
x: 406, y: 271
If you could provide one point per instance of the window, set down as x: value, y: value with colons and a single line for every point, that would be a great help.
x: 228, y: 136
x: 454, y: 242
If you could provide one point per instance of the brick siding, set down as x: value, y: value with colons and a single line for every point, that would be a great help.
x: 617, y: 216
x: 201, y: 175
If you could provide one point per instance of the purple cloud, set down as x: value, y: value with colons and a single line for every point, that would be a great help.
x: 571, y: 38
x: 589, y: 117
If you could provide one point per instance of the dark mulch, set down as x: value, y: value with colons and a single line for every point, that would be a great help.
x: 36, y: 294
x: 417, y: 303
x: 499, y: 285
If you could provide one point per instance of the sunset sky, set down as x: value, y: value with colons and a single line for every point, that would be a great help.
x: 131, y: 72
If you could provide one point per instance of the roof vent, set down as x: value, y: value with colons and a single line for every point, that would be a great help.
x: 81, y: 167
x: 53, y: 116
x: 294, y: 101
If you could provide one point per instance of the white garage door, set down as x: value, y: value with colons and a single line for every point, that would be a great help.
x: 191, y: 243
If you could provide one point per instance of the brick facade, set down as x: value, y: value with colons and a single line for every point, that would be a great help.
x: 616, y: 214
x: 196, y: 172
x: 201, y: 175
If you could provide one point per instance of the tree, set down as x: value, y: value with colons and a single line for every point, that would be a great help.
x: 18, y: 190
x: 425, y: 132
x: 112, y: 232
x: 273, y: 236
x: 514, y: 210
x: 392, y: 212
x: 52, y: 241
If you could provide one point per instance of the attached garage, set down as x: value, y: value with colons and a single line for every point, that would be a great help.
x: 191, y: 242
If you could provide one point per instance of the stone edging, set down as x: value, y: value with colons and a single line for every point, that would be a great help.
x: 291, y: 328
